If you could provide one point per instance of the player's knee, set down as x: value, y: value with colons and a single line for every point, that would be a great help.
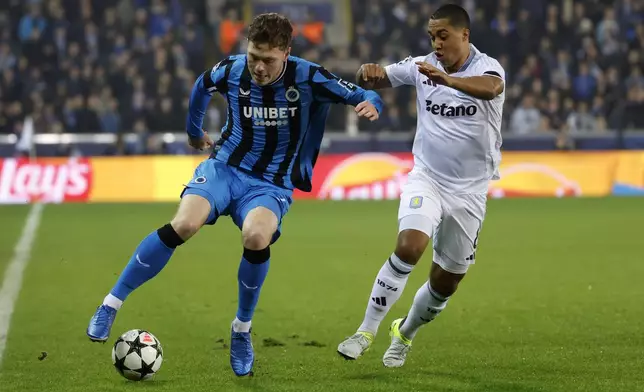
x: 409, y: 253
x: 256, y: 238
x: 446, y: 288
x: 185, y: 228
x: 411, y: 246
x: 444, y: 282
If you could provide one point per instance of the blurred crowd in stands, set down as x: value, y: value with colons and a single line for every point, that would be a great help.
x: 129, y: 65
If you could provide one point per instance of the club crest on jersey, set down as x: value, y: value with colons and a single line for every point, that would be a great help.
x: 416, y: 202
x: 200, y: 180
x: 292, y: 95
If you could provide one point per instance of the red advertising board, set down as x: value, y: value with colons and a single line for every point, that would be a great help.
x: 369, y: 176
x: 55, y: 180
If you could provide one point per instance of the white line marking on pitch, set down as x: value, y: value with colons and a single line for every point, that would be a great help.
x: 13, y: 274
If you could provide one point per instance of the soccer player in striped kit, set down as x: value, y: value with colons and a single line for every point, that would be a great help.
x: 277, y: 108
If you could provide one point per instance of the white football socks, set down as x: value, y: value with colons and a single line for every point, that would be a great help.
x: 427, y: 305
x: 241, y: 326
x: 112, y: 302
x: 387, y: 289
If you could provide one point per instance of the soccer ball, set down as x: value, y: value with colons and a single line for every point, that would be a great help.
x: 137, y: 355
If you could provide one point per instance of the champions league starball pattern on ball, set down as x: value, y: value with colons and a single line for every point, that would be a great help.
x: 137, y: 355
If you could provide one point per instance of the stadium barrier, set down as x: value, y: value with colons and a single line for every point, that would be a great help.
x: 334, y: 142
x: 364, y: 176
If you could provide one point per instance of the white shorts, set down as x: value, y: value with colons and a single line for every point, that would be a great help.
x: 453, y: 221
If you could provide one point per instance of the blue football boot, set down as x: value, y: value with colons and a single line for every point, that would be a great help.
x: 101, y: 324
x: 242, y: 356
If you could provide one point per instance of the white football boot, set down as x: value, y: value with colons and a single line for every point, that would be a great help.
x: 354, y: 346
x: 397, y: 352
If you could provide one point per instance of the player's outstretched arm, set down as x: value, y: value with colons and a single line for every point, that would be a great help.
x: 487, y: 86
x: 328, y: 87
x: 376, y: 77
x: 373, y: 77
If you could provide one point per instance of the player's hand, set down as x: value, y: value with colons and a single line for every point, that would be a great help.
x: 367, y: 110
x: 201, y: 143
x: 433, y: 73
x: 371, y: 74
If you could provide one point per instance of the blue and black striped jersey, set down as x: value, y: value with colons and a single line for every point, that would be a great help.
x: 273, y: 131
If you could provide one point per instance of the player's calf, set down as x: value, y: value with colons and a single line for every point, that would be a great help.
x: 392, y: 278
x: 427, y: 305
x: 149, y: 258
x: 430, y: 300
x: 257, y: 231
x: 444, y: 282
x: 387, y: 289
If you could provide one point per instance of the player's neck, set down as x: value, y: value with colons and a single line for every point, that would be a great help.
x: 279, y: 75
x: 459, y: 64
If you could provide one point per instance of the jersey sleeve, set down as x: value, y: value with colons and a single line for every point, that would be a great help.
x: 490, y: 67
x: 205, y: 86
x: 328, y: 87
x: 403, y: 72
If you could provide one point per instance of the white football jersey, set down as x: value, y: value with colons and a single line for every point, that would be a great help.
x: 458, y: 137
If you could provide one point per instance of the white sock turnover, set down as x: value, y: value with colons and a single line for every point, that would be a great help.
x: 112, y: 302
x: 241, y: 326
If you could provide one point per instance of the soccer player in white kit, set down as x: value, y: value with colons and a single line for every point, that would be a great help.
x: 456, y: 153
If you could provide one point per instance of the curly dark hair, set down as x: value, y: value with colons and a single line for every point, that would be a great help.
x: 272, y: 29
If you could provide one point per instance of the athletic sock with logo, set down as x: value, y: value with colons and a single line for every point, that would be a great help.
x: 426, y: 307
x: 252, y: 272
x: 387, y: 289
x: 149, y: 258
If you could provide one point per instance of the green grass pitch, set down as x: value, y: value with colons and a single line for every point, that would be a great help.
x: 555, y: 302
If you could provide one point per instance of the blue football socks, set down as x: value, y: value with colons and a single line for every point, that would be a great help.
x: 149, y: 258
x: 251, y: 275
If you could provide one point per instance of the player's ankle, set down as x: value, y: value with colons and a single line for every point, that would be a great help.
x: 112, y: 301
x: 241, y: 326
